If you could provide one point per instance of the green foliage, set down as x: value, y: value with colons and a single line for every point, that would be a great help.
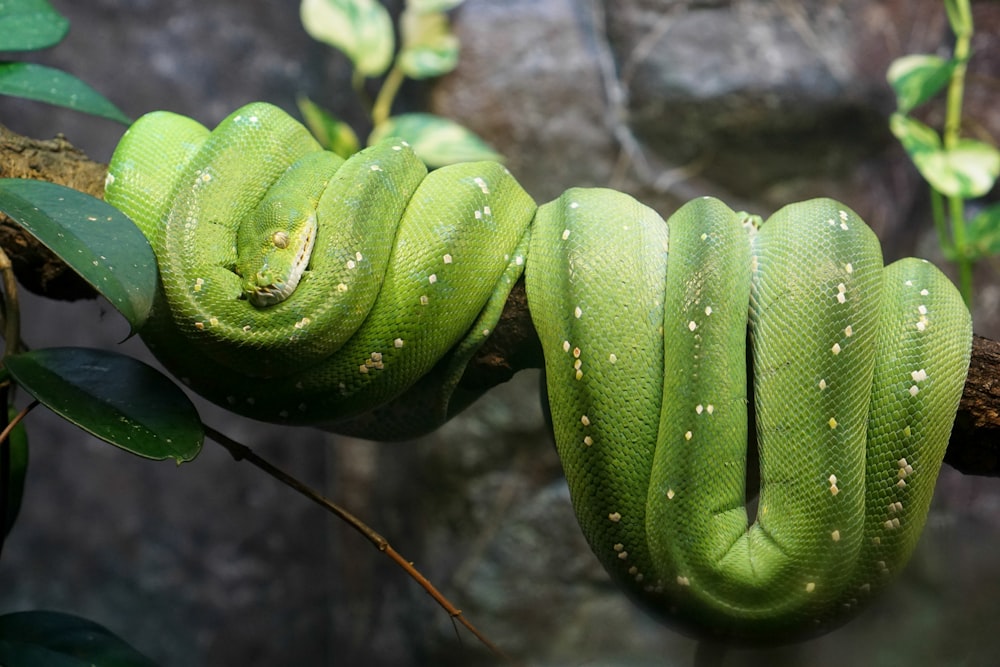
x: 438, y: 141
x: 94, y: 238
x: 956, y: 168
x: 29, y: 25
x: 52, y: 639
x: 362, y: 30
x: 112, y: 396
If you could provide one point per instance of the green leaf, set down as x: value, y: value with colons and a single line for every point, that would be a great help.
x: 53, y: 639
x: 436, y: 140
x: 917, y: 78
x: 45, y: 84
x: 114, y: 397
x: 361, y: 29
x: 92, y: 237
x: 429, y: 47
x: 983, y: 234
x: 968, y: 169
x: 427, y: 6
x: 18, y: 445
x: 333, y: 134
x: 28, y: 25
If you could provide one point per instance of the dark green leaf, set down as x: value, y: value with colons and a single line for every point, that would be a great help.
x: 18, y: 447
x: 918, y: 78
x: 27, y: 25
x: 93, y: 237
x: 436, y: 140
x: 45, y: 84
x: 333, y: 134
x: 114, y: 397
x: 52, y: 639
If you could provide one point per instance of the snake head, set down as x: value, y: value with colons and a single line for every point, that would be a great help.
x: 273, y: 257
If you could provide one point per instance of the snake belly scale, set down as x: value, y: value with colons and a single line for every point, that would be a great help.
x: 300, y: 288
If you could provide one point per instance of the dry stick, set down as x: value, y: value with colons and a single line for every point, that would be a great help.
x: 241, y: 452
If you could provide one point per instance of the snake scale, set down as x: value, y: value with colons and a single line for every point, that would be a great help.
x: 296, y: 287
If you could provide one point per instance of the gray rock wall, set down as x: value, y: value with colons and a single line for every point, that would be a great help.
x: 214, y: 564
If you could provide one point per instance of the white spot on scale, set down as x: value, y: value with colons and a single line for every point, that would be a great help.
x: 585, y: 420
x: 670, y: 494
x: 578, y: 312
x: 810, y: 587
x: 835, y: 536
x: 924, y: 292
x: 479, y: 214
x: 565, y: 346
x: 708, y: 310
x: 576, y: 353
x: 692, y: 325
x: 683, y: 581
x: 487, y: 210
x: 350, y: 264
x: 588, y: 441
x: 614, y: 517
x: 832, y: 423
x: 482, y: 185
x: 698, y: 408
x: 619, y: 547
x: 565, y: 234
x: 822, y: 384
x: 688, y: 435
x: 447, y: 259
x: 398, y: 343
x: 574, y: 204
x: 909, y: 283
x: 375, y: 167
x: 919, y: 376
x: 914, y: 390
x: 424, y: 300
x: 849, y: 267
x: 432, y: 278
x: 835, y: 349
x: 848, y: 331
x: 623, y: 555
x: 613, y: 358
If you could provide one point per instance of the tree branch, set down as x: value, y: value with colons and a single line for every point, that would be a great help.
x: 975, y: 440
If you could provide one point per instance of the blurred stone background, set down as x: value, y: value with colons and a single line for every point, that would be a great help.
x: 212, y: 563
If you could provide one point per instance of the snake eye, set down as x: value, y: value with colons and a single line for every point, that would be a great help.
x: 280, y: 240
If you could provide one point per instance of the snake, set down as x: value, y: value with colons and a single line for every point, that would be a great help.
x: 297, y: 287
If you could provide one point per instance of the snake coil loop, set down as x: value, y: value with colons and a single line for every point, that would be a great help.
x: 300, y: 288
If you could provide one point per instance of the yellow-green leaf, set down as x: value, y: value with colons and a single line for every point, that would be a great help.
x: 426, y: 6
x: 429, y: 47
x: 917, y: 78
x: 361, y: 29
x: 333, y: 134
x: 436, y: 140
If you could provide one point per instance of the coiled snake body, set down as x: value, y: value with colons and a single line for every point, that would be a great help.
x: 299, y: 288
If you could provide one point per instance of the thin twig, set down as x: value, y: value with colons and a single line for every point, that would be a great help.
x: 241, y: 452
x: 11, y: 310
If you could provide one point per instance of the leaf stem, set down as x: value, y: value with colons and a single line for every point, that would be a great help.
x: 383, y: 102
x: 962, y: 25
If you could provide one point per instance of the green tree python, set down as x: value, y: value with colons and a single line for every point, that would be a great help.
x: 299, y: 288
